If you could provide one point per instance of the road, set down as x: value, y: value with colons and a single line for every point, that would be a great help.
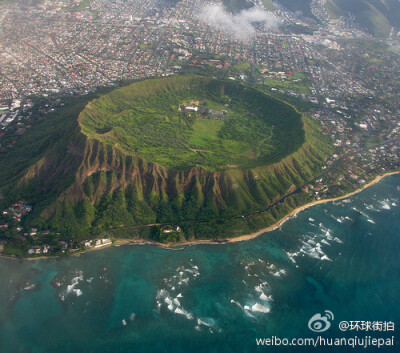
x: 281, y: 200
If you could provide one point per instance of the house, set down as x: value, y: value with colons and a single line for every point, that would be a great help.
x: 185, y: 108
x: 102, y: 242
x: 88, y: 243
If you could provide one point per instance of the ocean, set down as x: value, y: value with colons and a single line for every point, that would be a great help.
x: 339, y: 261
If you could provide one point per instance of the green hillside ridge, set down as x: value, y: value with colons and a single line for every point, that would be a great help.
x: 81, y: 181
x: 235, y: 6
x: 304, y: 6
x: 376, y: 16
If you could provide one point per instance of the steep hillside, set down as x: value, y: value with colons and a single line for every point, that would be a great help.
x: 375, y: 16
x: 299, y: 6
x: 82, y: 184
x: 235, y: 6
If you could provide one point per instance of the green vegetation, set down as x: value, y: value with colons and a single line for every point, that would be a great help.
x: 300, y: 29
x: 93, y: 184
x: 374, y: 60
x: 376, y: 16
x: 296, y: 85
x: 242, y: 66
x: 372, y: 46
x: 269, y: 5
x: 82, y: 5
x: 304, y: 6
x: 145, y: 46
x: 236, y: 5
x: 144, y: 119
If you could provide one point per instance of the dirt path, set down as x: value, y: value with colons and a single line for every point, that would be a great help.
x: 260, y: 144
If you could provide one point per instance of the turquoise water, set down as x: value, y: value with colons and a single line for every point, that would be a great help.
x: 342, y: 257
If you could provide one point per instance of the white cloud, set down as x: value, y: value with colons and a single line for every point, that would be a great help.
x: 240, y: 24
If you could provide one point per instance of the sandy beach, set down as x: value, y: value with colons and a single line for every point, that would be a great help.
x: 240, y: 238
x: 301, y: 208
x: 259, y: 232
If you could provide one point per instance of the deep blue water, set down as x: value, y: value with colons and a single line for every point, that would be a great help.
x: 342, y: 256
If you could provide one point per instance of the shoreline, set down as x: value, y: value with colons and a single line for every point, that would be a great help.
x: 240, y: 238
x: 257, y: 233
x: 304, y: 207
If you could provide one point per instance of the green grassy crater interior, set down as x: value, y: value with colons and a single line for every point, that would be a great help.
x: 144, y: 119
